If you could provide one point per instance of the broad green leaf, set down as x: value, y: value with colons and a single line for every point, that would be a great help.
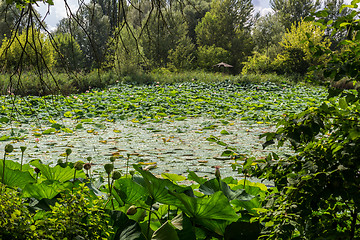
x: 57, y: 173
x: 46, y: 189
x: 15, y: 178
x: 4, y: 138
x: 165, y: 232
x: 216, y: 206
x: 342, y: 103
x: 49, y: 131
x: 129, y: 191
x: 159, y: 189
x: 173, y: 177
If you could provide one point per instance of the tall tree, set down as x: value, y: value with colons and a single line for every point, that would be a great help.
x: 91, y: 29
x: 293, y: 11
x: 227, y: 25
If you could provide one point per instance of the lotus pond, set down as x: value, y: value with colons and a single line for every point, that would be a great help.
x: 167, y: 126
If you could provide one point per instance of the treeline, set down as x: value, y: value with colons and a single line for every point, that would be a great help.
x: 146, y: 35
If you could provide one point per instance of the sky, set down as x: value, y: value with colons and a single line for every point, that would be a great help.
x: 58, y: 10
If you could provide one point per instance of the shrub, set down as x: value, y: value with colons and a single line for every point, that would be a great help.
x: 15, y: 219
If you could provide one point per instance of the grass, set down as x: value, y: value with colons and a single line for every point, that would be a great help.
x: 30, y: 83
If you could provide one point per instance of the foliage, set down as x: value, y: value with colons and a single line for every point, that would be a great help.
x: 183, y: 56
x: 68, y: 54
x: 15, y: 218
x: 318, y: 186
x: 91, y: 30
x: 292, y: 12
x: 127, y: 54
x: 208, y: 56
x: 297, y: 56
x: 30, y: 49
x: 226, y: 26
x: 76, y: 215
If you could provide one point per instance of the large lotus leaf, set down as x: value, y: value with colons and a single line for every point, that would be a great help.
x: 57, y: 173
x: 159, y: 189
x: 165, y: 232
x: 192, y: 176
x: 213, y: 185
x: 208, y: 210
x: 17, y: 166
x: 124, y: 228
x: 46, y: 189
x: 129, y: 191
x: 15, y: 178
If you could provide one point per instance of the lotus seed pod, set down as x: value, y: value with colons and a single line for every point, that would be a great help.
x: 131, y: 210
x: 116, y: 175
x: 109, y: 168
x: 89, y: 159
x: 68, y: 151
x: 37, y: 170
x: 112, y: 159
x: 22, y: 148
x: 9, y: 148
x: 78, y: 165
x: 87, y: 166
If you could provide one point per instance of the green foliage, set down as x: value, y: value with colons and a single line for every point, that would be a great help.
x: 74, y: 216
x: 15, y: 219
x: 68, y: 54
x: 126, y: 53
x: 297, y: 56
x: 28, y: 50
x: 183, y: 57
x: 293, y: 11
x: 208, y: 56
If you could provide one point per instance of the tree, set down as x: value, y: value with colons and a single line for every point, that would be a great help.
x: 128, y: 56
x: 227, y: 25
x: 162, y: 33
x: 68, y: 54
x: 293, y: 11
x: 297, y: 55
x: 267, y: 31
x: 91, y: 30
x: 28, y: 50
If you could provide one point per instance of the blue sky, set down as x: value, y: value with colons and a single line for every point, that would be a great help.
x: 58, y: 10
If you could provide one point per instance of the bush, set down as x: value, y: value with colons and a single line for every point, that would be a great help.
x: 15, y: 219
x: 208, y: 56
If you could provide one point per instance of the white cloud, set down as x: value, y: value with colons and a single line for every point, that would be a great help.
x: 56, y: 11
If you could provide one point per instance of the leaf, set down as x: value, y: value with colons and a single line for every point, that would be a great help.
x: 173, y: 177
x: 15, y: 178
x: 49, y: 131
x: 159, y: 189
x: 129, y: 191
x: 124, y: 228
x: 192, y: 176
x: 57, y: 173
x: 224, y: 132
x: 4, y: 138
x: 45, y: 189
x: 342, y: 103
x: 4, y: 120
x: 216, y: 207
x: 165, y: 232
